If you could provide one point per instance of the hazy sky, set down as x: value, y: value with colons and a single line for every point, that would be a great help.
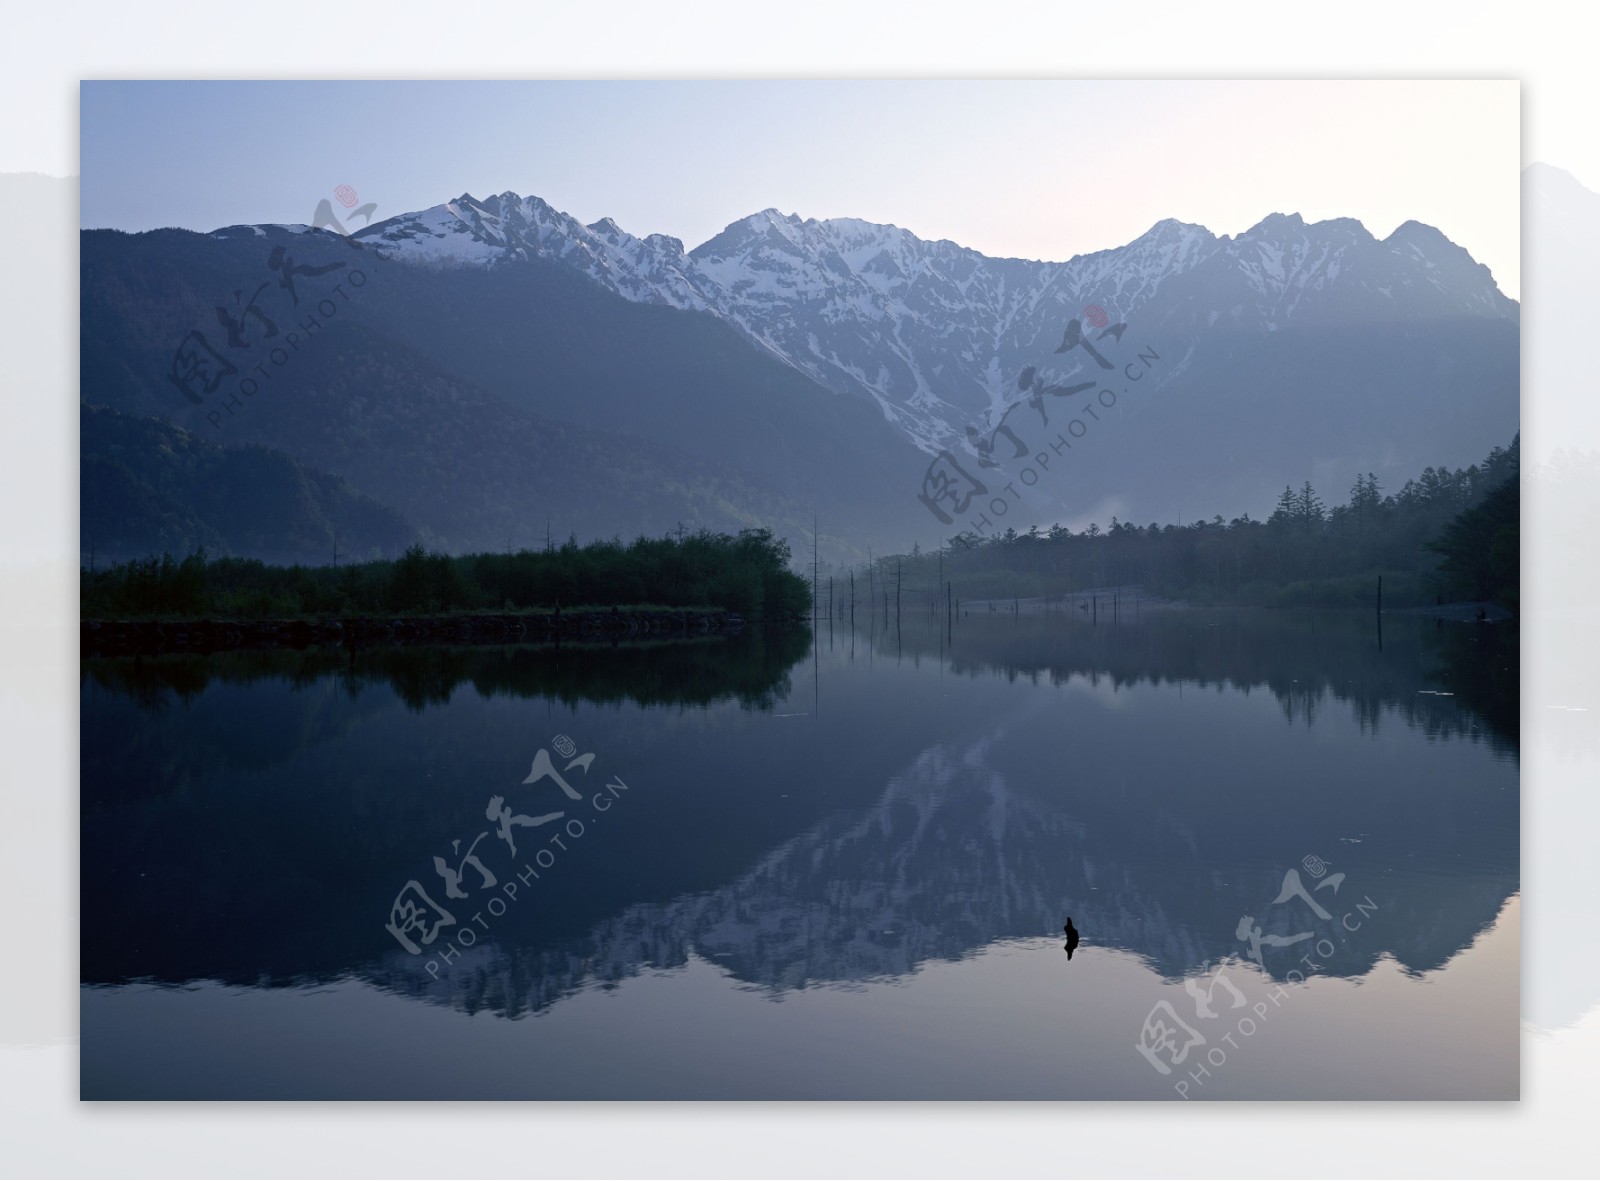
x: 1026, y: 169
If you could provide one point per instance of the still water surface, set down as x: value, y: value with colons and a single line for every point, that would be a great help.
x: 821, y: 871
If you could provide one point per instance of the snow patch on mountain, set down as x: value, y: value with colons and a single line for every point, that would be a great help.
x: 937, y: 333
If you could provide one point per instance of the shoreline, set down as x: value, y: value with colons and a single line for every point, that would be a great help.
x: 112, y: 637
x: 1123, y: 603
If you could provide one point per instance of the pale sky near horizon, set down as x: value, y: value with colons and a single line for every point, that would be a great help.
x: 1044, y: 169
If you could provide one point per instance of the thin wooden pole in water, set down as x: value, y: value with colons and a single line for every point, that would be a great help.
x: 813, y: 567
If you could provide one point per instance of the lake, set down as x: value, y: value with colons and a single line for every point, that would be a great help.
x: 760, y: 867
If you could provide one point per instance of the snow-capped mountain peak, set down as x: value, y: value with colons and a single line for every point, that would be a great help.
x: 936, y: 332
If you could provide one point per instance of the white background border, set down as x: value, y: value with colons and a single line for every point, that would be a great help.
x: 45, y: 1131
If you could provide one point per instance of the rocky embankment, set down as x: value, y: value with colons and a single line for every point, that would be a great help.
x: 114, y: 637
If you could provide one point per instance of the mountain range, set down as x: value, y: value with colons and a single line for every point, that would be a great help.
x: 503, y: 371
x: 935, y: 332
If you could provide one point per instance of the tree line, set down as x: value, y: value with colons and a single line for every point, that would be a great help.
x: 747, y: 573
x: 1447, y: 534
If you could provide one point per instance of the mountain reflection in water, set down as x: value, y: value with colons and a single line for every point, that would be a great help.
x: 897, y: 797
